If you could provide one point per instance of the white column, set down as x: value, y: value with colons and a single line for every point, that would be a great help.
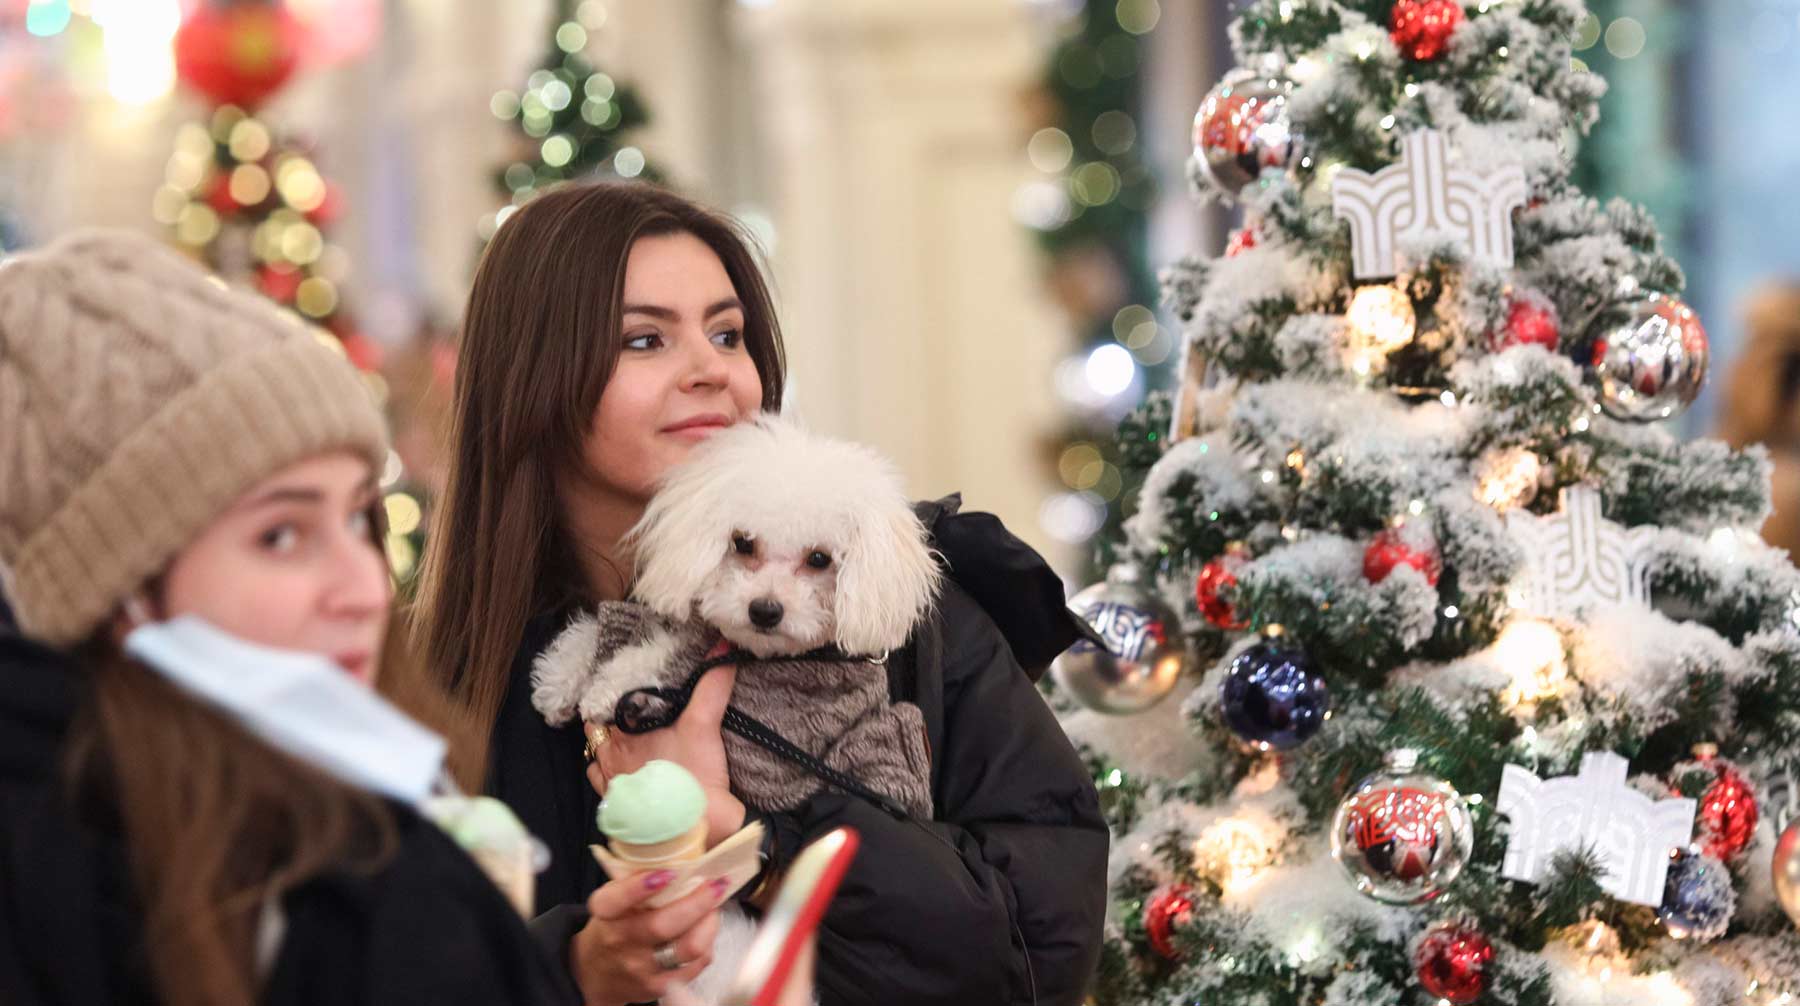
x: 915, y: 318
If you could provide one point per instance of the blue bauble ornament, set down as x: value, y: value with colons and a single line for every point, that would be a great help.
x: 1698, y: 899
x: 1273, y: 697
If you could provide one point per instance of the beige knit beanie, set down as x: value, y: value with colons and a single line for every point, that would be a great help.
x: 139, y: 398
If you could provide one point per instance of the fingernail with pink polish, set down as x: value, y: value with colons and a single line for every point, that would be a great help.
x: 718, y: 887
x: 659, y: 879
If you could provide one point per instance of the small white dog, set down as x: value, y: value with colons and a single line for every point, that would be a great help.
x: 787, y: 545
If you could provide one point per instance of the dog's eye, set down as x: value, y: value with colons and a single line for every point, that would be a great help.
x: 819, y: 560
x: 744, y: 544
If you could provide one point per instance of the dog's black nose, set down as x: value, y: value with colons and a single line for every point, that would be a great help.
x: 765, y: 613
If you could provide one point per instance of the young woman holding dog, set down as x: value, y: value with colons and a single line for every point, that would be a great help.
x: 610, y: 328
x: 201, y: 799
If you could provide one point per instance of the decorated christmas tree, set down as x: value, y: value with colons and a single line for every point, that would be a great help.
x: 239, y: 193
x: 1438, y: 670
x: 569, y: 121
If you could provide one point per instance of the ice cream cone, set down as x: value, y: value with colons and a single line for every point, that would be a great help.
x: 684, y: 848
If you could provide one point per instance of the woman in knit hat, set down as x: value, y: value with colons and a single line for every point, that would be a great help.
x: 201, y: 798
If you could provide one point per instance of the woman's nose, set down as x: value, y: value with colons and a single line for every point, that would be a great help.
x: 359, y: 579
x: 705, y: 365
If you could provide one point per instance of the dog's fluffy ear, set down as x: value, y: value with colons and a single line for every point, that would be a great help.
x: 681, y: 538
x: 887, y: 581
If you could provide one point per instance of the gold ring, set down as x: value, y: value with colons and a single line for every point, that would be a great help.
x: 666, y: 959
x: 596, y: 739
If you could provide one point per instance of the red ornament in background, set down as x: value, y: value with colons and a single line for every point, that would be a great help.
x: 1421, y: 28
x: 238, y: 53
x: 1452, y: 962
x: 1170, y: 906
x: 1397, y: 830
x: 1391, y: 549
x: 1728, y: 811
x: 1530, y: 321
x: 1242, y: 240
x: 1214, y: 577
x: 278, y: 283
x: 1230, y: 126
x: 1682, y: 318
x: 218, y: 195
x: 330, y: 206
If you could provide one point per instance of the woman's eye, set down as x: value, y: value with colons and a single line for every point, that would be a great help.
x: 282, y: 538
x: 731, y: 338
x: 819, y: 560
x: 744, y: 544
x: 649, y: 340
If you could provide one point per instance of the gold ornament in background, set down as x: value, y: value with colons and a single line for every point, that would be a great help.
x: 1381, y: 320
x: 1508, y: 478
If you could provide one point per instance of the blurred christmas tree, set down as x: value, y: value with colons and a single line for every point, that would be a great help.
x: 239, y: 195
x: 1440, y: 672
x: 570, y: 120
x: 1091, y: 218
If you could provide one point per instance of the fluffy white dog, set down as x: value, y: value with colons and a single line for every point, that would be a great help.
x: 803, y: 552
x: 799, y: 550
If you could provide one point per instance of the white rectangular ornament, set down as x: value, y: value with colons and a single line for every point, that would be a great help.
x: 1424, y: 194
x: 1594, y: 808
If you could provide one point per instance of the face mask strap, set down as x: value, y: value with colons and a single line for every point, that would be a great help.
x: 137, y: 610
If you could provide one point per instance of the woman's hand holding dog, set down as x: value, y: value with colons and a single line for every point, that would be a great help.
x: 694, y: 742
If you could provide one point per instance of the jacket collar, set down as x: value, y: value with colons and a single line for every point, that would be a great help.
x: 40, y: 690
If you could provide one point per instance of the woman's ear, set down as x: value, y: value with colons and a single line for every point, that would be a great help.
x: 887, y: 581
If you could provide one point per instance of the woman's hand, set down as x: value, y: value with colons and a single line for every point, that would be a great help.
x: 694, y: 742
x: 613, y: 957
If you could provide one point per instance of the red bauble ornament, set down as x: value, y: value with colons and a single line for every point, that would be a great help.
x: 1242, y: 240
x: 279, y: 283
x: 218, y: 195
x: 330, y: 206
x: 1170, y: 906
x: 238, y: 54
x: 1391, y: 549
x: 1214, y: 577
x: 1452, y: 962
x: 1530, y: 321
x: 1421, y: 28
x: 1728, y: 812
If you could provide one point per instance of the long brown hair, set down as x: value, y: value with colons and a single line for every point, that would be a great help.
x: 216, y: 824
x: 539, y: 342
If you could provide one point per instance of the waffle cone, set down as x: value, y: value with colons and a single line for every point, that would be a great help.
x: 683, y: 848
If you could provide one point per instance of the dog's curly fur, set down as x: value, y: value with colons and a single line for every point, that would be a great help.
x: 781, y: 541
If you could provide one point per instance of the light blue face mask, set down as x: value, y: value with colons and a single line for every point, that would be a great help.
x: 300, y: 703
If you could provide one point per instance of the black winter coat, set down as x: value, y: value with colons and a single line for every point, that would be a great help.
x: 1000, y: 900
x: 427, y: 928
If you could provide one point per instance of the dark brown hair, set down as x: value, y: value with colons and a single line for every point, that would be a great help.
x: 539, y: 342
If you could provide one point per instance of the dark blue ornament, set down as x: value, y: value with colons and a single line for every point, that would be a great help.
x: 1698, y: 899
x: 1273, y: 697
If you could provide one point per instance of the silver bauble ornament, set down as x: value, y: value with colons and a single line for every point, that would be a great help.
x: 1244, y: 126
x: 1648, y: 358
x: 1402, y: 835
x: 1144, y: 655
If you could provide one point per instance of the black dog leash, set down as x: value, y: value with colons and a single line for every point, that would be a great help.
x: 642, y: 710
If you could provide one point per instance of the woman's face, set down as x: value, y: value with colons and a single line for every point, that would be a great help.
x: 683, y: 372
x: 293, y: 565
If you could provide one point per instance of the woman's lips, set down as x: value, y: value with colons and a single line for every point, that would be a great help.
x: 698, y: 427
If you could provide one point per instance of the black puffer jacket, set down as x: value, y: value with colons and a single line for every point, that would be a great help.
x: 1000, y: 899
x: 427, y: 928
